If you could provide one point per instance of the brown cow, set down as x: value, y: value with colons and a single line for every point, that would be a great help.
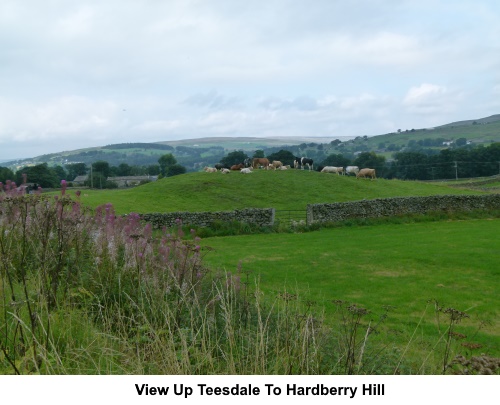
x: 238, y: 166
x: 260, y: 162
x: 366, y: 173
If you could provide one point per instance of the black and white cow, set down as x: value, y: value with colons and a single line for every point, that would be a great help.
x: 306, y: 161
x: 296, y: 162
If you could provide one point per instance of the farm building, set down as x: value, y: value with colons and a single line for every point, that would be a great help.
x: 80, y: 180
x: 131, y: 181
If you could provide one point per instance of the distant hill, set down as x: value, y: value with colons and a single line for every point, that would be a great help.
x: 195, y: 153
x: 487, y: 120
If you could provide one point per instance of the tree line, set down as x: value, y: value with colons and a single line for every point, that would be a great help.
x: 410, y: 165
x: 447, y: 164
x: 97, y: 172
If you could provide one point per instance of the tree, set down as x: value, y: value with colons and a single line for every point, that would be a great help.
x: 60, y: 173
x: 101, y: 166
x: 153, y: 170
x: 259, y: 154
x: 75, y: 169
x: 6, y: 174
x: 234, y: 158
x: 336, y: 160
x: 124, y: 169
x: 41, y: 174
x: 283, y: 156
x: 371, y: 160
x: 175, y: 170
x: 165, y: 161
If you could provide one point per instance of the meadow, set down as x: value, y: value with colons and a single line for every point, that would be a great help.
x: 410, y: 268
x: 84, y: 290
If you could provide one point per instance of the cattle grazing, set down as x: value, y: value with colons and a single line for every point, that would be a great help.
x: 209, y: 169
x: 366, y: 173
x: 306, y: 161
x: 256, y: 162
x: 332, y: 169
x: 246, y: 170
x: 277, y: 164
x: 351, y: 169
x: 238, y: 166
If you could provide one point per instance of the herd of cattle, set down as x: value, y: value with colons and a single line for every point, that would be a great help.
x: 299, y: 163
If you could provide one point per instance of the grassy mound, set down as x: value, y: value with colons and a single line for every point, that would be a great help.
x: 283, y: 190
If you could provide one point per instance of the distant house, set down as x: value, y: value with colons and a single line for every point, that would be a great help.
x: 131, y: 181
x: 80, y: 180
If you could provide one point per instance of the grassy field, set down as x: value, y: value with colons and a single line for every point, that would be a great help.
x: 369, y: 299
x: 405, y: 266
x: 282, y: 190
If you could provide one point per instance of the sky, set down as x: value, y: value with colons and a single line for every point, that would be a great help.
x: 76, y: 74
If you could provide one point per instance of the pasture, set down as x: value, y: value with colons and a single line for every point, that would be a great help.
x: 282, y: 190
x: 408, y: 267
x: 404, y: 271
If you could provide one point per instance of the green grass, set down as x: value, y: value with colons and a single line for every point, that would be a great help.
x: 282, y: 190
x: 455, y: 263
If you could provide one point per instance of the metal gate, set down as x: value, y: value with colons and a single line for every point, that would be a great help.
x: 290, y: 217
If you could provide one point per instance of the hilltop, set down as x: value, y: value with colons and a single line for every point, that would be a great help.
x: 282, y: 190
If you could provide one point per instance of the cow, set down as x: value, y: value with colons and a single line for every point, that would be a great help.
x: 306, y: 161
x: 277, y: 164
x: 332, y: 169
x: 296, y: 162
x: 247, y: 162
x: 366, y: 173
x: 256, y: 162
x: 209, y: 169
x: 351, y: 169
x: 246, y: 170
x: 219, y: 166
x: 238, y: 166
x: 225, y: 171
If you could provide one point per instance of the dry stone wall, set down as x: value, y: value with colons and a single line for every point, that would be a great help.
x: 317, y: 213
x: 259, y: 216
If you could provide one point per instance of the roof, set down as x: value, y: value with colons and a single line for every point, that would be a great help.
x: 80, y: 179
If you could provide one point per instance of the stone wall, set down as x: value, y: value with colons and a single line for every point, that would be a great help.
x: 262, y: 217
x: 399, y: 206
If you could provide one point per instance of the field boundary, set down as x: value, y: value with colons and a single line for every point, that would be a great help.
x: 386, y: 207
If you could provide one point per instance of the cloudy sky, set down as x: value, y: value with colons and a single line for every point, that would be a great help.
x: 85, y: 73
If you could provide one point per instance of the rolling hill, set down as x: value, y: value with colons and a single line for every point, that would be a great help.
x: 195, y: 153
x: 282, y: 190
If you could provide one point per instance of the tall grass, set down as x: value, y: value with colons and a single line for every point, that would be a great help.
x: 88, y: 292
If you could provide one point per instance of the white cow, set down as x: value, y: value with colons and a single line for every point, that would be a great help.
x: 352, y: 169
x: 332, y: 169
x: 246, y: 170
x: 210, y: 169
x: 225, y: 171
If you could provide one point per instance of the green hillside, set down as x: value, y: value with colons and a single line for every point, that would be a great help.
x: 282, y: 190
x: 480, y: 131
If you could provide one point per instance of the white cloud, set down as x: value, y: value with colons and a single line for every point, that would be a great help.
x: 429, y: 98
x: 218, y: 67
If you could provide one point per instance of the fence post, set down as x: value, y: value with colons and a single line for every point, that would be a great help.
x: 309, y: 215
